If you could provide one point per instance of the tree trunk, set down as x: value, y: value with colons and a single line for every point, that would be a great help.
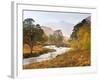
x: 31, y: 46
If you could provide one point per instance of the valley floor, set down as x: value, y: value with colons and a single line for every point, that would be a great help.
x: 74, y: 58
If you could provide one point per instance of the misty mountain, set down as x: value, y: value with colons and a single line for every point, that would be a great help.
x: 58, y: 33
x: 65, y: 27
x: 47, y: 30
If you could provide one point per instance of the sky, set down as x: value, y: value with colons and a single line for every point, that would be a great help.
x: 56, y: 20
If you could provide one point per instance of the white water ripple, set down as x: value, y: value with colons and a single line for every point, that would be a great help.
x: 46, y: 56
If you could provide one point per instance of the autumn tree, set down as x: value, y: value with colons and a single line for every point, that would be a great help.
x: 32, y: 34
x: 80, y: 37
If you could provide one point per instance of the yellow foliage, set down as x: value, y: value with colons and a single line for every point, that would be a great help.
x: 83, y: 38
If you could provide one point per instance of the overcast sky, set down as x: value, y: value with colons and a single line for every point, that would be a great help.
x: 56, y: 19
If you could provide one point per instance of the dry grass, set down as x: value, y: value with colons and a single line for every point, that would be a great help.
x: 69, y: 59
x: 36, y: 51
x: 26, y: 49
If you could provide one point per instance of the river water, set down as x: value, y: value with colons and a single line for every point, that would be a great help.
x: 46, y: 56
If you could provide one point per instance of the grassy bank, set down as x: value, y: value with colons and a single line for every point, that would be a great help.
x: 36, y: 51
x: 68, y: 59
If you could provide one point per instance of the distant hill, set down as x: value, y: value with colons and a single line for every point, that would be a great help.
x: 58, y: 33
x: 65, y: 27
x: 47, y: 30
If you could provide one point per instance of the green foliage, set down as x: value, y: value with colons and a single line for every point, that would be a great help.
x: 52, y: 39
x: 56, y: 37
x: 32, y: 34
x: 59, y: 38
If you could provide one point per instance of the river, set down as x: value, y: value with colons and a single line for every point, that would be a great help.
x: 47, y: 56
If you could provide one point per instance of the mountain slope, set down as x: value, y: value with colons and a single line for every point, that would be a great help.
x: 80, y: 37
x: 47, y: 30
x: 65, y: 27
